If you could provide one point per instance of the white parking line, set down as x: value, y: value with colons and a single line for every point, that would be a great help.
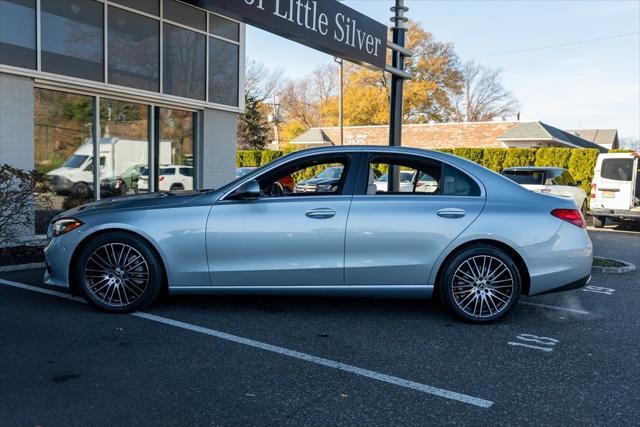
x: 554, y: 307
x: 435, y: 391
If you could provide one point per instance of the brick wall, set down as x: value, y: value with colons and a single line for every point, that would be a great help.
x: 431, y: 136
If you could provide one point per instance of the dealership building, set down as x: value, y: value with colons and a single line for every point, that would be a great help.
x: 149, y: 87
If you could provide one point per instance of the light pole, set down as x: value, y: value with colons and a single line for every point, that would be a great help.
x: 340, y: 62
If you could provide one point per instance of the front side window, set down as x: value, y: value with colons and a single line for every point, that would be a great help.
x: 319, y: 177
x: 72, y: 38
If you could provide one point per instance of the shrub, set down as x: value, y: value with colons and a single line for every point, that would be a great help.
x: 474, y: 154
x: 248, y: 158
x: 556, y: 157
x: 581, y: 165
x: 519, y: 157
x: 445, y: 150
x: 493, y: 158
x: 21, y: 194
x: 269, y: 156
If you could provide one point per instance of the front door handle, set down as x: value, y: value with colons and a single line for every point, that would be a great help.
x: 321, y: 213
x: 451, y: 213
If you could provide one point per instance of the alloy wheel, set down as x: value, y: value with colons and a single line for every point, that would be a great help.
x: 483, y: 286
x: 116, y: 274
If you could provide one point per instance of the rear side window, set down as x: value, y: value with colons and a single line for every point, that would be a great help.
x: 617, y: 169
x: 186, y: 171
x: 457, y: 183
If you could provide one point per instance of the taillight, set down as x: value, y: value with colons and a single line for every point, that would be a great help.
x: 593, y: 190
x: 572, y: 216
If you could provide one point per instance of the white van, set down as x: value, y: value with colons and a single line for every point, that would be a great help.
x: 615, y: 191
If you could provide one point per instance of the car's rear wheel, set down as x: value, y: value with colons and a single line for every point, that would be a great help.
x: 481, y: 284
x: 599, y: 221
x: 119, y: 273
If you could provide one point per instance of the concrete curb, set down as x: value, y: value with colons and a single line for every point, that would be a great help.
x: 626, y: 268
x: 20, y: 267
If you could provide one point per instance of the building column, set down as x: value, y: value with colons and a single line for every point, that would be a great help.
x: 217, y: 154
x: 16, y: 121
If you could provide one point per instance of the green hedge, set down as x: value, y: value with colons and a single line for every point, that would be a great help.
x: 580, y: 162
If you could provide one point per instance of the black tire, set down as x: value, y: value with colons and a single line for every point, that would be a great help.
x: 482, y: 288
x: 131, y: 289
x: 81, y: 190
x: 599, y: 221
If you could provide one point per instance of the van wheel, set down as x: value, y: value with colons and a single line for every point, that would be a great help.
x: 177, y: 187
x: 599, y: 221
x: 81, y: 190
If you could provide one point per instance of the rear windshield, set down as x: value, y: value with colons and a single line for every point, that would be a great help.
x: 617, y: 169
x: 525, y: 177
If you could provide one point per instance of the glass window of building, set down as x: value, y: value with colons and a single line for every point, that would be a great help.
x: 63, y: 149
x: 223, y: 27
x: 175, y: 153
x: 134, y: 50
x: 223, y: 72
x: 72, y: 38
x: 184, y: 60
x: 185, y: 14
x: 18, y: 33
x: 124, y: 148
x: 151, y: 7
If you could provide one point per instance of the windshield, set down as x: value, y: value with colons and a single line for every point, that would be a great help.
x: 75, y: 161
x: 331, y: 173
x: 525, y: 177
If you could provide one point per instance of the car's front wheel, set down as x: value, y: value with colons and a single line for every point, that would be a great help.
x: 119, y: 273
x: 480, y: 284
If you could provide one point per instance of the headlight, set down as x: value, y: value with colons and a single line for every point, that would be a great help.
x: 63, y: 226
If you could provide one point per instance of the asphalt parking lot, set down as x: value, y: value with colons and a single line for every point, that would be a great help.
x: 571, y: 358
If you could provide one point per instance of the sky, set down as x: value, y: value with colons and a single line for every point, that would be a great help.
x: 594, y: 84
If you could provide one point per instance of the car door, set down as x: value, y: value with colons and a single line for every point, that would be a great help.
x: 293, y: 239
x: 395, y: 238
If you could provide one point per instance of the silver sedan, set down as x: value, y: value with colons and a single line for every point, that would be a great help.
x: 474, y: 238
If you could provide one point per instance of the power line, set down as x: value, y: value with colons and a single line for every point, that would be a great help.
x: 553, y: 46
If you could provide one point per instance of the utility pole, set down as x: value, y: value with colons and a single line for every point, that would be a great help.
x: 340, y: 62
x: 397, y: 82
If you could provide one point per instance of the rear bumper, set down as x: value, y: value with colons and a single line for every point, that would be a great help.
x: 580, y: 283
x: 616, y: 213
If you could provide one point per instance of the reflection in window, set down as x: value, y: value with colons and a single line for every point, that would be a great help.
x: 124, y: 147
x: 18, y: 33
x: 64, y: 149
x: 175, y: 152
x: 184, y: 62
x: 134, y: 50
x: 72, y: 38
x: 149, y: 6
x: 184, y: 14
x: 317, y: 178
x: 223, y: 27
x: 223, y: 72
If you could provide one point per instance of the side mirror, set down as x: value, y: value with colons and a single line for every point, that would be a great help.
x: 248, y: 191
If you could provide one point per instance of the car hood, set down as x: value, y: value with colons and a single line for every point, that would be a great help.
x: 157, y: 200
x: 319, y: 181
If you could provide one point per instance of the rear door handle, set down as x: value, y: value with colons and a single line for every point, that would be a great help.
x: 321, y: 213
x: 451, y: 213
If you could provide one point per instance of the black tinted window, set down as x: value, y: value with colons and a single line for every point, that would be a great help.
x: 617, y: 169
x: 72, y: 38
x: 184, y: 60
x: 18, y: 33
x: 223, y: 72
x: 184, y: 14
x: 134, y: 50
x: 224, y: 28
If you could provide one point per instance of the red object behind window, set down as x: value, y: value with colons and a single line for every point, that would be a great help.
x: 572, y: 216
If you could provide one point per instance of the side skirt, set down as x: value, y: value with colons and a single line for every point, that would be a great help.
x: 395, y: 291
